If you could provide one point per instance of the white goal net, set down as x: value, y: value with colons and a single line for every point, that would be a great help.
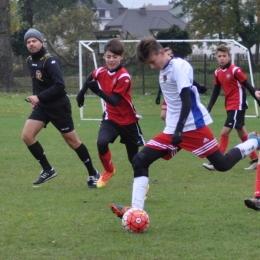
x: 199, y: 46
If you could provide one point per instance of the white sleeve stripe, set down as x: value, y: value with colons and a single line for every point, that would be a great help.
x: 124, y: 75
x: 97, y: 71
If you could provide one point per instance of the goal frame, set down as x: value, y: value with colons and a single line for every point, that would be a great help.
x: 87, y: 44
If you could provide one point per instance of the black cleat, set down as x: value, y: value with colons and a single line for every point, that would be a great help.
x: 45, y: 176
x: 253, y: 203
x: 92, y: 180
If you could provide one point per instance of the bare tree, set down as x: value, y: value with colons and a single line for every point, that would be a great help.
x: 6, y: 66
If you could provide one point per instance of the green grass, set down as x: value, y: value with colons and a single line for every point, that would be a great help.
x: 194, y: 213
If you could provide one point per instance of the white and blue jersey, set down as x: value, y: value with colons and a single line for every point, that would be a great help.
x: 175, y: 76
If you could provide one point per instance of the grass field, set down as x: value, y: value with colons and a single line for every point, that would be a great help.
x: 194, y: 213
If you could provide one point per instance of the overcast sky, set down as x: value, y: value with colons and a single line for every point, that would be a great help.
x: 140, y: 3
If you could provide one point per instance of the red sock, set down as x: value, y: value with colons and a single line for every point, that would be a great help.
x: 223, y: 144
x: 106, y: 161
x: 252, y: 155
x: 257, y: 181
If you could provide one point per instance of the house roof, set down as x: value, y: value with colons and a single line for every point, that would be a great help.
x: 159, y: 7
x: 113, y: 7
x: 142, y: 22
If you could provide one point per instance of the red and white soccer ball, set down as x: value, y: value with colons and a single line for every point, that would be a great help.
x: 135, y: 220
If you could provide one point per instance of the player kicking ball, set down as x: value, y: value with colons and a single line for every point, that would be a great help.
x: 186, y: 122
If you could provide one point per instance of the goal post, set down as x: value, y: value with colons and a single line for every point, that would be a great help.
x: 87, y: 44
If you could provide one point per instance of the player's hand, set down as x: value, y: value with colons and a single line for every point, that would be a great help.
x: 203, y: 89
x: 158, y: 100
x: 81, y: 98
x: 257, y: 94
x: 176, y: 138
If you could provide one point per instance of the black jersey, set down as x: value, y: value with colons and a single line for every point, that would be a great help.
x: 47, y: 79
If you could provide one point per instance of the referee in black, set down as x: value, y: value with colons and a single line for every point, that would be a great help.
x: 50, y: 103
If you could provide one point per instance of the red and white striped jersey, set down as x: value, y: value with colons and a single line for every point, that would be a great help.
x: 230, y: 80
x: 119, y: 82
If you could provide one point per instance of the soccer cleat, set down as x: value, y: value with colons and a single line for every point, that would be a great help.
x: 255, y: 135
x: 253, y: 165
x: 253, y: 203
x: 146, y: 192
x: 105, y: 177
x: 208, y: 166
x: 118, y: 210
x: 92, y: 180
x: 45, y: 176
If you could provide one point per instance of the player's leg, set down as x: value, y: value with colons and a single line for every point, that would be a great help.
x: 81, y: 150
x: 243, y: 135
x: 108, y: 133
x: 141, y: 163
x: 32, y: 127
x: 131, y: 135
x: 61, y: 118
x: 224, y: 137
x: 204, y: 144
x: 158, y: 147
x: 254, y: 203
x: 226, y: 162
x: 132, y: 150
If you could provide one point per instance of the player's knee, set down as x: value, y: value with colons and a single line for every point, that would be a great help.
x: 102, y: 143
x: 138, y: 161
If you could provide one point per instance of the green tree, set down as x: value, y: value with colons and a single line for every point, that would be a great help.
x: 223, y: 19
x: 40, y: 11
x: 6, y: 66
x: 71, y: 26
x: 19, y: 48
x: 180, y: 49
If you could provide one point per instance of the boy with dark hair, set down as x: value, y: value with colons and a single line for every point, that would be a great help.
x: 113, y: 84
x: 186, y: 121
x: 234, y: 83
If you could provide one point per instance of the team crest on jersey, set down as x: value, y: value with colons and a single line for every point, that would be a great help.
x: 164, y: 77
x: 115, y: 81
x: 228, y: 76
x: 38, y: 74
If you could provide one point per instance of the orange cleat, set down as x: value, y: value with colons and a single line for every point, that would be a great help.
x: 105, y: 177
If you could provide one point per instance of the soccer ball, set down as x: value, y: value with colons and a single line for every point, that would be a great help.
x: 135, y: 220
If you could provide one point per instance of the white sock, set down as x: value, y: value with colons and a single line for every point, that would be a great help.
x: 139, y: 191
x: 247, y: 147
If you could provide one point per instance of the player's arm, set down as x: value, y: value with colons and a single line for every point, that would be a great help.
x: 158, y: 98
x: 201, y: 88
x: 81, y: 95
x: 185, y: 110
x: 57, y: 89
x: 251, y: 90
x: 112, y: 100
x: 214, y: 96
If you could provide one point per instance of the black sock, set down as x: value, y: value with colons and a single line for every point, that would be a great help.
x: 39, y: 154
x: 84, y: 156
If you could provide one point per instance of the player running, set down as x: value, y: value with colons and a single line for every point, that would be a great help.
x: 113, y: 84
x: 234, y: 83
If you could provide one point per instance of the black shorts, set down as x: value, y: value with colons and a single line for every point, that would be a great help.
x: 60, y: 117
x: 128, y: 133
x: 235, y: 119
